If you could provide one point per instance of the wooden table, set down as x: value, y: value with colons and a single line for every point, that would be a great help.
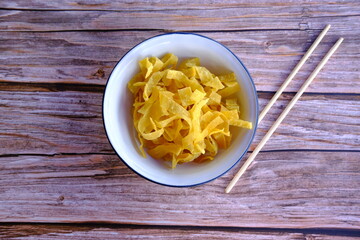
x: 60, y: 178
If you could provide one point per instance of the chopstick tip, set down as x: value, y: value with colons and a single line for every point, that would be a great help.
x: 338, y: 42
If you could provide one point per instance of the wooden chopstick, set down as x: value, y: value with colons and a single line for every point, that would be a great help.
x: 283, y: 115
x: 294, y: 72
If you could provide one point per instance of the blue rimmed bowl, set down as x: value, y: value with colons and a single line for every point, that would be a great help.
x: 117, y: 104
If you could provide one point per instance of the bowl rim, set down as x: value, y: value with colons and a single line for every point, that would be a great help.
x: 255, y: 124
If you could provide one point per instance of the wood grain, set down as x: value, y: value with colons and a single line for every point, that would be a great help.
x: 281, y: 190
x: 89, y: 57
x: 52, y: 122
x: 70, y: 232
x: 194, y: 17
x: 345, y: 7
x: 56, y: 165
x: 71, y: 122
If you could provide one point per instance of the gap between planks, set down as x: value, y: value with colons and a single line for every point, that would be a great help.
x: 114, y: 154
x: 96, y: 88
x: 325, y: 231
x: 162, y: 31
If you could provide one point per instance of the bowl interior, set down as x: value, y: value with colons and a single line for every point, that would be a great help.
x: 118, y: 102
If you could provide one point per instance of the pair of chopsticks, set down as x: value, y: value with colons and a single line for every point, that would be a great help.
x: 291, y: 104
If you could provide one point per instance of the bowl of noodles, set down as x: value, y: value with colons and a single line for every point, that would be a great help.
x: 180, y: 109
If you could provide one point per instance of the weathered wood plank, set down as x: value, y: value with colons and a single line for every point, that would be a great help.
x: 52, y: 122
x: 45, y: 231
x: 88, y: 57
x: 281, y: 190
x: 346, y: 7
x: 71, y: 122
x: 314, y: 122
x: 177, y: 16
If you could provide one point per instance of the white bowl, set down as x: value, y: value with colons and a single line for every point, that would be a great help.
x: 117, y: 104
